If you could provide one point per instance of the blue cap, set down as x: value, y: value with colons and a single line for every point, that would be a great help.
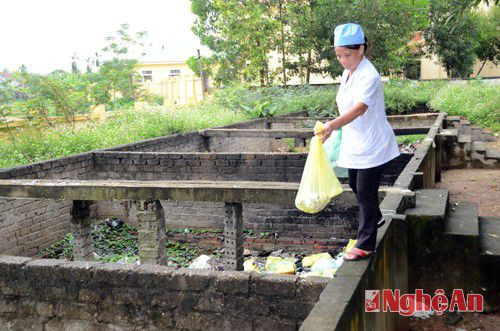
x: 348, y: 34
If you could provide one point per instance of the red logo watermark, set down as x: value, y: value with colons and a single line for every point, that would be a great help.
x: 419, y: 302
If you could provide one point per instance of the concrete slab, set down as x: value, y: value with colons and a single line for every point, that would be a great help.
x: 478, y: 146
x: 449, y: 132
x: 277, y: 134
x: 196, y: 190
x: 429, y: 203
x: 464, y: 138
x: 489, y: 228
x: 492, y: 153
x: 462, y: 220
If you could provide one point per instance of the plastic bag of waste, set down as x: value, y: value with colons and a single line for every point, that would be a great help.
x: 319, y: 183
x: 332, y: 149
x: 324, y: 264
x: 201, y: 262
x: 279, y: 265
x: 311, y: 259
x: 329, y: 273
x: 249, y: 265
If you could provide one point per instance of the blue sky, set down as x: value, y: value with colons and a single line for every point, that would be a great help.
x: 44, y: 35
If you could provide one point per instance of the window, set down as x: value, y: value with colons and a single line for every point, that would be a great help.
x: 147, y: 75
x: 175, y: 72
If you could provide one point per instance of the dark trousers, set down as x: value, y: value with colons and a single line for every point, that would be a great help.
x: 365, y: 184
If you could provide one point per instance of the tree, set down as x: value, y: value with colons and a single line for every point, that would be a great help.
x: 489, y: 38
x: 387, y: 24
x: 116, y: 82
x: 454, y: 45
x: 240, y: 35
x: 302, y: 25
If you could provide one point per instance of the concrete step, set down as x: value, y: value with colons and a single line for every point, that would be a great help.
x: 464, y: 133
x: 489, y: 229
x: 429, y: 204
x: 462, y: 220
x: 478, y: 146
x: 450, y: 132
x: 477, y: 134
x: 489, y: 246
x: 492, y: 153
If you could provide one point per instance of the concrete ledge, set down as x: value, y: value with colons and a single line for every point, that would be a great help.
x: 341, y: 305
x: 209, y: 191
x: 278, y: 134
x: 149, y: 297
x: 429, y: 204
x: 462, y: 220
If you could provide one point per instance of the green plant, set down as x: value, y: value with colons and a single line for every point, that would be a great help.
x: 61, y: 249
x: 180, y: 255
x: 454, y: 44
x: 410, y: 139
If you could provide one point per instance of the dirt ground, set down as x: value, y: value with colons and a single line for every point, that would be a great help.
x: 481, y: 186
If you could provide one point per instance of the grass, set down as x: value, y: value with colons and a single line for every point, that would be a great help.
x: 410, y: 139
x: 479, y: 102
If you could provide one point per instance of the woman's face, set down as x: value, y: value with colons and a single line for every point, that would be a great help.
x: 349, y: 58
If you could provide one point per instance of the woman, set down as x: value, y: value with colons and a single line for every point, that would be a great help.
x: 368, y: 141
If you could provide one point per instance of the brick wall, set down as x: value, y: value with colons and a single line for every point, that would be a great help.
x: 286, y: 220
x: 54, y: 294
x: 257, y: 145
x: 284, y: 167
x: 194, y: 142
x: 29, y: 225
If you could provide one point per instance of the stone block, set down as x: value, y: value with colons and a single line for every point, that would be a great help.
x: 283, y: 286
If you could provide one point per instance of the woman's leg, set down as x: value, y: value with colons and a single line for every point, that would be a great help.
x: 367, y: 185
x: 352, y: 179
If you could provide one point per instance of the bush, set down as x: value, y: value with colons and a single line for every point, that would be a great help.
x: 314, y: 100
x: 479, y: 102
x: 34, y: 145
x: 407, y: 96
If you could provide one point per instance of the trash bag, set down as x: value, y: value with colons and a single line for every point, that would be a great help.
x: 319, y: 183
x: 308, y: 261
x: 325, y: 264
x: 249, y: 265
x: 332, y: 149
x: 201, y: 262
x: 279, y: 265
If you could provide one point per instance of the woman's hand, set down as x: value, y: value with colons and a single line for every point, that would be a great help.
x: 327, y: 131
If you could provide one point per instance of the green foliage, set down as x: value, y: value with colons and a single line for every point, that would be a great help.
x: 153, y: 99
x: 410, y: 139
x: 115, y: 84
x: 180, y: 255
x: 112, y: 244
x: 476, y: 100
x: 407, y: 96
x: 277, y: 100
x: 33, y: 145
x: 454, y: 44
x: 61, y: 249
x: 489, y: 38
x: 479, y: 102
x: 207, y: 64
x: 55, y: 94
x: 387, y: 25
x: 242, y: 34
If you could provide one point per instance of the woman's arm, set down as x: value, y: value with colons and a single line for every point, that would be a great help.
x: 356, y: 110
